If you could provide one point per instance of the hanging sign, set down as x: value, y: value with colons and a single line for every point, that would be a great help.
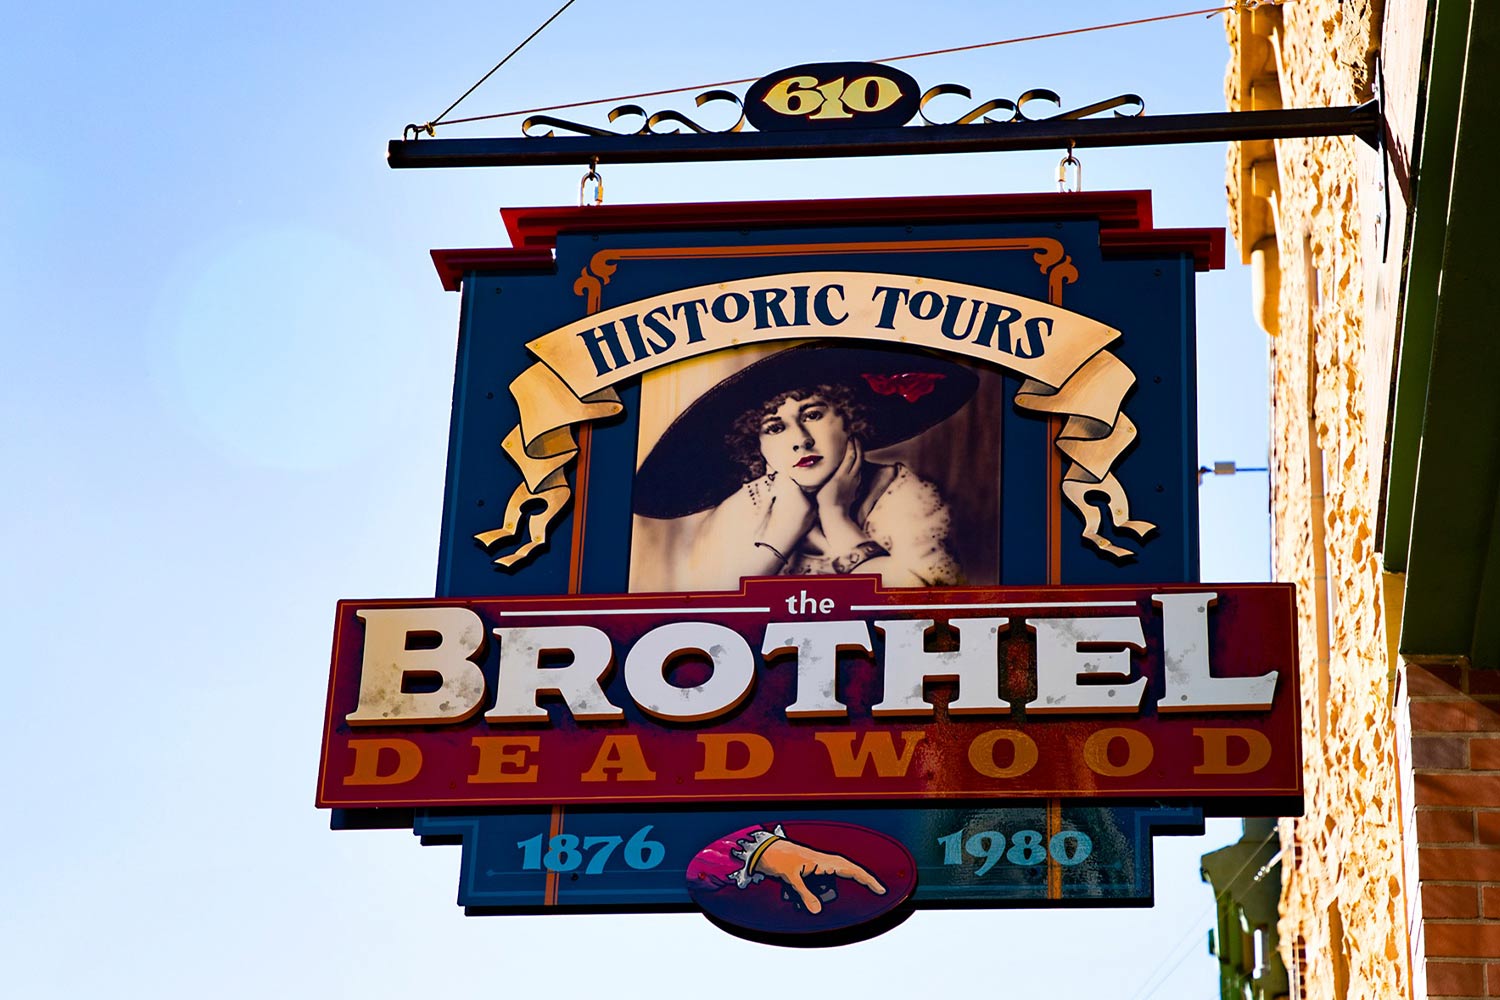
x: 806, y: 563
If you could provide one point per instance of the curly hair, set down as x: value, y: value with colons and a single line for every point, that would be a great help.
x: 743, y: 439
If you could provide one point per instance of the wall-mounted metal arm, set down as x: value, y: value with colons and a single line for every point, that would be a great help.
x: 1363, y: 120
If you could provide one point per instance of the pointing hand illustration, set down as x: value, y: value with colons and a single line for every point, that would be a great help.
x: 794, y: 863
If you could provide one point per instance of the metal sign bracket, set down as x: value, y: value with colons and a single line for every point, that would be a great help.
x: 1363, y: 120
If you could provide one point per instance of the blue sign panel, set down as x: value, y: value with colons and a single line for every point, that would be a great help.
x: 589, y: 860
x: 983, y: 392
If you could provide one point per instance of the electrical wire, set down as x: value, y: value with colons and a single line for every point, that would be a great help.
x: 1152, y: 983
x: 1208, y: 11
x: 1074, y: 31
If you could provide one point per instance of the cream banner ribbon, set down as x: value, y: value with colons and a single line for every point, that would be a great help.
x: 1061, y: 355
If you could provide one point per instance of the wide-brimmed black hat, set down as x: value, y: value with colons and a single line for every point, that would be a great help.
x: 904, y: 392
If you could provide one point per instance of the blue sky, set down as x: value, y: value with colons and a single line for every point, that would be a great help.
x: 227, y: 373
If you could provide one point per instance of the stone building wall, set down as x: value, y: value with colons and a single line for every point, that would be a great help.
x: 1296, y: 209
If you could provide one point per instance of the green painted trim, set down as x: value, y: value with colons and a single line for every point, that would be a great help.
x: 1447, y: 45
x: 1458, y: 473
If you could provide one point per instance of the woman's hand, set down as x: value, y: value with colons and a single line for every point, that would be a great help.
x: 789, y: 516
x: 837, y: 495
x: 836, y: 499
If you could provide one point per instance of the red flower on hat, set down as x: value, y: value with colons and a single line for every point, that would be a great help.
x: 910, y: 386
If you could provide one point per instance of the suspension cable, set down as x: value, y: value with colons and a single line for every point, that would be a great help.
x: 1206, y: 11
x: 429, y: 126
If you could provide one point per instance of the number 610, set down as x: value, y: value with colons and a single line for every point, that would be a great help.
x: 801, y: 96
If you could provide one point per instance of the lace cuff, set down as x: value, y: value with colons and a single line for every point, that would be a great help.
x: 749, y: 850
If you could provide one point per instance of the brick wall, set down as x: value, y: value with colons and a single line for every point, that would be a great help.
x: 1452, y: 776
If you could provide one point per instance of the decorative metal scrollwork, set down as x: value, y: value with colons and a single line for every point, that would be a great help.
x: 821, y: 96
x: 977, y: 115
x: 1017, y: 108
x: 649, y: 122
x: 1108, y: 104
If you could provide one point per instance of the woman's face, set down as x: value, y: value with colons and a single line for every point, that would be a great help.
x: 804, y: 439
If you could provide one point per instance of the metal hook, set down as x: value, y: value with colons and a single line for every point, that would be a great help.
x: 415, y: 131
x: 1062, y: 172
x: 592, y: 175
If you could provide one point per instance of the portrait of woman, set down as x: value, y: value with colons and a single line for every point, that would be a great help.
x: 770, y: 471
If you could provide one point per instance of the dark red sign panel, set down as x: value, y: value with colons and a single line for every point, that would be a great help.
x: 815, y: 689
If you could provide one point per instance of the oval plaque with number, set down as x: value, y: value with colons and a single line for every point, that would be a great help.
x: 832, y: 95
x: 821, y: 882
